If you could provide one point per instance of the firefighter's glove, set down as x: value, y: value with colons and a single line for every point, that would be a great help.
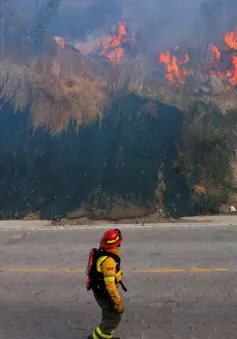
x: 120, y: 307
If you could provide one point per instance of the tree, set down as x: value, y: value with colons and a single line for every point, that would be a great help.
x: 207, y: 23
x: 3, y: 4
x: 41, y: 23
x: 37, y: 3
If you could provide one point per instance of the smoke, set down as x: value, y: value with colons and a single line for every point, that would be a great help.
x: 78, y: 19
x: 27, y: 6
x: 163, y: 21
x: 161, y: 24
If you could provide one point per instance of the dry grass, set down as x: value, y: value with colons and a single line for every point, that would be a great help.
x: 54, y: 100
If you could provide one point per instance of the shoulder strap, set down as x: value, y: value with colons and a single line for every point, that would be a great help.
x: 104, y: 253
x: 100, y: 260
x: 114, y: 256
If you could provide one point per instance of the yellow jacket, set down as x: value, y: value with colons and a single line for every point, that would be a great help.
x: 107, y: 266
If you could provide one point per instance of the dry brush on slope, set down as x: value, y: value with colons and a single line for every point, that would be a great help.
x: 57, y: 87
x: 140, y: 136
x: 54, y: 102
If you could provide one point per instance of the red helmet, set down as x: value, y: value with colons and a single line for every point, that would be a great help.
x: 111, y: 238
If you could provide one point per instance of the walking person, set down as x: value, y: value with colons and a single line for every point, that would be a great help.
x: 104, y: 276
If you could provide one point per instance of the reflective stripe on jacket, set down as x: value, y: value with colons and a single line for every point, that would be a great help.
x: 112, y: 276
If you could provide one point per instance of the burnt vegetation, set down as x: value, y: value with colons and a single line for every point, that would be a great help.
x: 74, y: 138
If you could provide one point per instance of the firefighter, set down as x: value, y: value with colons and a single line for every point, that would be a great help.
x: 107, y: 277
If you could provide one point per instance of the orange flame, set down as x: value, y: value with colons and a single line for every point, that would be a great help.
x: 231, y: 39
x: 112, y: 47
x: 174, y: 73
x: 186, y: 60
x: 177, y: 65
x: 220, y: 64
x: 233, y: 79
x: 216, y: 52
x: 60, y: 41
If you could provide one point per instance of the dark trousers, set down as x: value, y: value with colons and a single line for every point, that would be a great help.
x: 110, y: 317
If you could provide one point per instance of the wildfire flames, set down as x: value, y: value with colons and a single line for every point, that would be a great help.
x: 175, y: 69
x: 60, y: 41
x: 178, y: 63
x: 221, y: 62
x: 112, y: 47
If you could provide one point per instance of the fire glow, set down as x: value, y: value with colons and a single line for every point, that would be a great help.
x: 112, y: 47
x: 174, y: 67
x: 221, y: 62
x: 178, y: 63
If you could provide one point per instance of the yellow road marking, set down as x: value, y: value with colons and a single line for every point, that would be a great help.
x: 183, y: 270
x: 163, y: 270
x: 222, y: 270
x: 46, y: 270
x: 200, y: 270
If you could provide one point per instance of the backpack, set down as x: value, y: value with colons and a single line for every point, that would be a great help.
x: 91, y: 271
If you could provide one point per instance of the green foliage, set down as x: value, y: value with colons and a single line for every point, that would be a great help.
x: 206, y: 203
x: 207, y: 149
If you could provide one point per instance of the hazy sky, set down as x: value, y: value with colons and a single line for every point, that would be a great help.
x: 162, y: 23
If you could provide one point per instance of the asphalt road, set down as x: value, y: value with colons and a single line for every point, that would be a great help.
x: 181, y: 283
